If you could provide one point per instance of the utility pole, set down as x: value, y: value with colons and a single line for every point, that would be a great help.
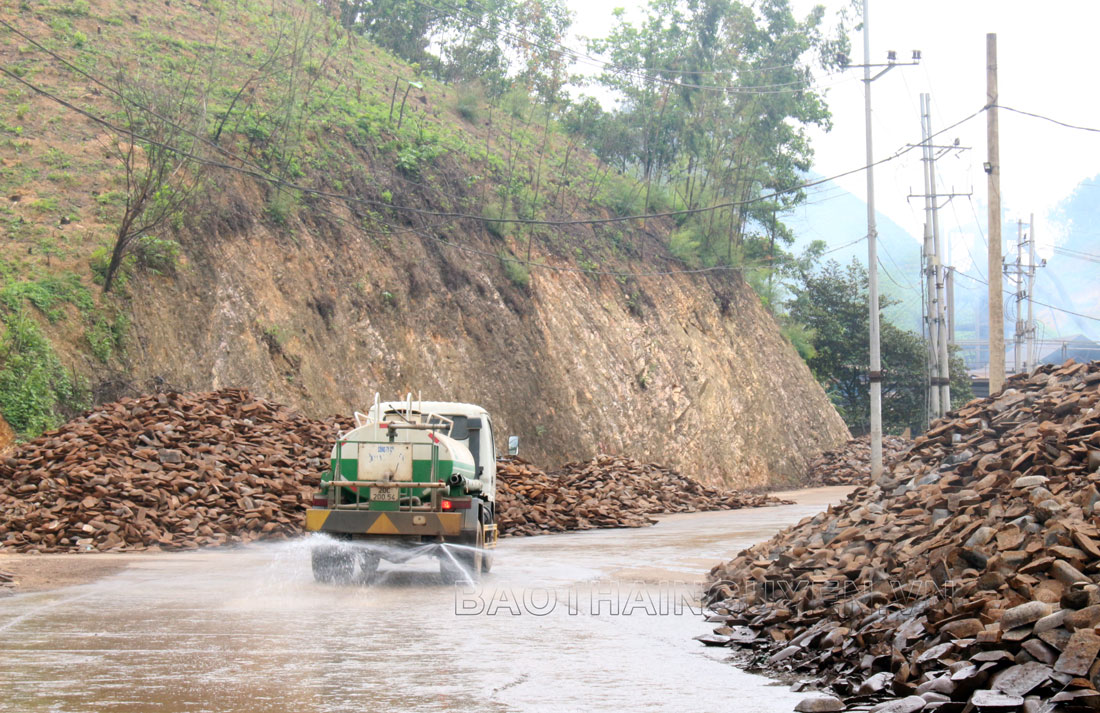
x: 993, y: 170
x: 1031, y: 355
x: 951, y: 306
x: 929, y: 258
x: 1018, y: 338
x: 874, y: 375
x: 939, y: 322
x: 1024, y: 337
x: 944, y: 380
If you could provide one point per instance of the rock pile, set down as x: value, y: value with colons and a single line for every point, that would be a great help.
x: 967, y: 579
x: 166, y: 471
x: 179, y: 471
x: 608, y: 491
x: 851, y: 463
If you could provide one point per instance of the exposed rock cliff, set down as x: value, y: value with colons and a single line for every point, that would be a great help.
x: 682, y: 369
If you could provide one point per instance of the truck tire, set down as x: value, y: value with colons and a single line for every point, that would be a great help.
x: 469, y: 561
x: 486, y: 555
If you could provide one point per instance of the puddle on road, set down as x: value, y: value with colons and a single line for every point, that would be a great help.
x: 598, y: 620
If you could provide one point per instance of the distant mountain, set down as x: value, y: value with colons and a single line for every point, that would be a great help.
x: 838, y: 218
x: 1071, y: 278
x: 1069, y: 281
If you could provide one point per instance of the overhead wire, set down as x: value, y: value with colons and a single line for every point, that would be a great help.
x: 451, y: 217
x: 1047, y: 118
x: 1042, y: 304
x: 454, y: 214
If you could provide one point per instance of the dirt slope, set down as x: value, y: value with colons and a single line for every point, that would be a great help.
x: 322, y: 304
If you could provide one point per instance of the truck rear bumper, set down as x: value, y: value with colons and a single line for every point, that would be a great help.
x: 365, y: 522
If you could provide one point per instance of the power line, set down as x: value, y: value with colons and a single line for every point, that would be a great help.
x: 1077, y: 255
x: 887, y: 272
x: 1047, y: 118
x: 977, y: 222
x: 418, y: 231
x: 845, y: 245
x: 1044, y: 304
x: 453, y: 214
x: 199, y: 137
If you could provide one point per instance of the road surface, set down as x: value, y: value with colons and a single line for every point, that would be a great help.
x: 591, y: 621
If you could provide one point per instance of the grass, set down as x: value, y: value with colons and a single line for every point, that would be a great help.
x: 324, y: 121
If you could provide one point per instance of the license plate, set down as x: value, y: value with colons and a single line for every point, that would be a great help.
x: 384, y: 494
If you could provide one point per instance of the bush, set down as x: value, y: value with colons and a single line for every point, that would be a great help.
x: 468, y: 104
x: 282, y: 206
x: 516, y: 102
x: 36, y: 392
x: 101, y: 259
x: 77, y: 8
x: 493, y: 215
x: 515, y: 270
x: 624, y: 198
x: 48, y: 295
x: 157, y: 255
x: 684, y: 244
x: 107, y: 337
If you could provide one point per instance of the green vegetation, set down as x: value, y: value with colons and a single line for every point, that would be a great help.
x: 464, y: 109
x: 37, y: 393
x: 830, y: 309
x: 107, y: 337
x: 514, y: 270
x: 49, y: 295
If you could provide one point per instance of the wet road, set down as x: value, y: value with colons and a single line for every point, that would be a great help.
x: 598, y: 620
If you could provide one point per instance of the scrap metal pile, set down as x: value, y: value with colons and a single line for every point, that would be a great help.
x: 851, y: 463
x: 167, y: 471
x: 966, y: 579
x: 608, y: 491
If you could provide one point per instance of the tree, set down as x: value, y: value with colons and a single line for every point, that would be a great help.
x: 495, y: 42
x: 161, y: 130
x: 719, y: 94
x: 832, y: 303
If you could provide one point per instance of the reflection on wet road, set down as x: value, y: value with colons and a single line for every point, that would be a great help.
x: 587, y: 621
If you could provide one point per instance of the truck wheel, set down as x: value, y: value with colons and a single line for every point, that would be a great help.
x: 324, y: 563
x: 331, y: 565
x: 467, y: 563
x: 486, y: 555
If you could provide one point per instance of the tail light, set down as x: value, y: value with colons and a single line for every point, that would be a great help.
x: 320, y: 500
x: 462, y: 504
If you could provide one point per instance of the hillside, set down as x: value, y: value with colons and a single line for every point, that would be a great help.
x: 333, y: 247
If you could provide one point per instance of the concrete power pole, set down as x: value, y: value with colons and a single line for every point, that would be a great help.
x: 929, y: 255
x: 941, y: 303
x: 993, y: 169
x: 936, y: 272
x: 875, y: 375
x: 1031, y: 355
x: 951, y: 306
x: 1018, y: 337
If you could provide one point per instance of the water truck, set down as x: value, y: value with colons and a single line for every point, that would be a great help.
x: 410, y: 479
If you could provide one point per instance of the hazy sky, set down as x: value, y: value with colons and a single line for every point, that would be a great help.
x: 1047, y: 65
